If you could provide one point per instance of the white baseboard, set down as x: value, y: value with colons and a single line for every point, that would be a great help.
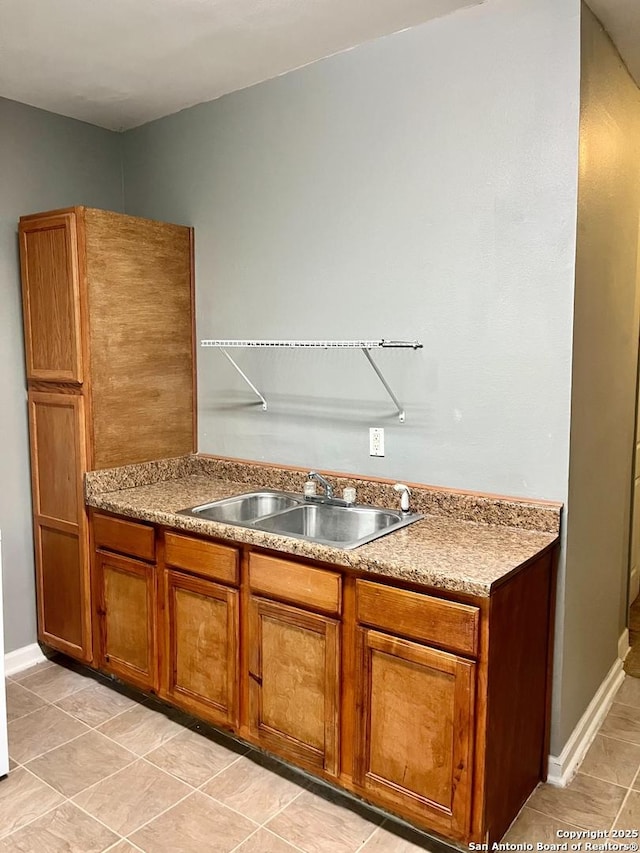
x: 623, y: 645
x: 562, y: 768
x: 23, y: 658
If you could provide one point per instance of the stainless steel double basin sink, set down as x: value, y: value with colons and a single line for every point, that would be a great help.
x: 326, y: 522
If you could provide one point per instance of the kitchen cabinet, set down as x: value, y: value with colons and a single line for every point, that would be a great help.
x: 51, y: 297
x: 294, y: 661
x: 126, y: 608
x: 127, y: 613
x: 108, y: 323
x: 201, y: 629
x: 294, y: 683
x: 415, y: 729
x: 415, y: 703
x: 431, y: 704
x: 58, y: 458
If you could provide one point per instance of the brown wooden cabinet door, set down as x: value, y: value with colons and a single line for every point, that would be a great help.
x: 415, y: 730
x: 201, y: 647
x: 294, y: 683
x: 58, y: 461
x: 127, y: 618
x: 51, y: 298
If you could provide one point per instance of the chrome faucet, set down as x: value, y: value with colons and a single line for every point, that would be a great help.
x: 326, y: 485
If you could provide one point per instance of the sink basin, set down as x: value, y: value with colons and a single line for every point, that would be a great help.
x: 243, y: 509
x: 344, y: 527
x: 291, y: 515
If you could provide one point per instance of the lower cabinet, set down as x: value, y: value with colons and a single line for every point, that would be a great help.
x: 414, y: 731
x: 58, y: 458
x: 126, y: 608
x: 201, y: 647
x: 430, y: 705
x: 294, y: 683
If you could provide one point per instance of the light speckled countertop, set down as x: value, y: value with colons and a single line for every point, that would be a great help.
x: 444, y: 550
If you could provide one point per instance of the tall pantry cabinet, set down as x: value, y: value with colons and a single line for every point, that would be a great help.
x: 108, y: 321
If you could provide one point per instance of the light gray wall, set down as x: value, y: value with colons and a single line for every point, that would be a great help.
x: 604, y: 372
x: 421, y: 186
x: 46, y: 162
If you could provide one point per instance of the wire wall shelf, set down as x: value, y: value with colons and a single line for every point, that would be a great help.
x: 364, y: 346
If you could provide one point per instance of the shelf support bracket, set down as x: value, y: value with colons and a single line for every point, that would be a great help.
x: 387, y: 387
x: 245, y: 377
x: 365, y: 346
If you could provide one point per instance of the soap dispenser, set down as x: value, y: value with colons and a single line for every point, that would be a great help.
x: 405, y: 496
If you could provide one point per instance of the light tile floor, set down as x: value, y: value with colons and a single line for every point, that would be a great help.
x: 605, y: 793
x: 96, y: 767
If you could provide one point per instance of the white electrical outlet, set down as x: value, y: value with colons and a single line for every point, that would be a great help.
x: 376, y: 441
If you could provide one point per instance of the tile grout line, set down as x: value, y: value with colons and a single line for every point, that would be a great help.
x: 33, y: 820
x: 617, y: 701
x: 102, y: 722
x: 47, y: 751
x: 295, y: 846
x: 70, y: 799
x: 553, y: 817
x: 371, y: 834
x: 134, y: 758
x: 244, y: 840
x: 21, y: 673
x: 367, y: 840
x: 234, y: 810
x: 49, y: 704
x: 194, y: 790
x: 60, y: 698
x: 166, y: 772
x: 282, y: 838
x: 264, y: 826
x: 29, y: 713
x: 608, y: 781
x: 279, y: 811
x: 120, y: 713
x: 164, y: 811
x: 616, y: 715
x: 115, y: 844
x: 155, y: 767
x: 617, y: 739
x: 97, y: 820
x: 96, y: 727
x: 29, y: 690
x: 48, y: 811
x: 270, y: 818
x: 142, y: 702
x: 133, y: 844
x: 216, y: 774
x: 89, y: 728
x: 624, y: 800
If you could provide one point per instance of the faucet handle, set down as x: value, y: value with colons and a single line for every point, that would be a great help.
x: 328, y: 488
x: 405, y: 495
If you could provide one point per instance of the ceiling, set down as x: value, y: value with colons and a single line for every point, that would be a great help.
x: 121, y: 63
x: 621, y: 19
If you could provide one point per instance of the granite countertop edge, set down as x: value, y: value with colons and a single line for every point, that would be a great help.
x: 442, y: 552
